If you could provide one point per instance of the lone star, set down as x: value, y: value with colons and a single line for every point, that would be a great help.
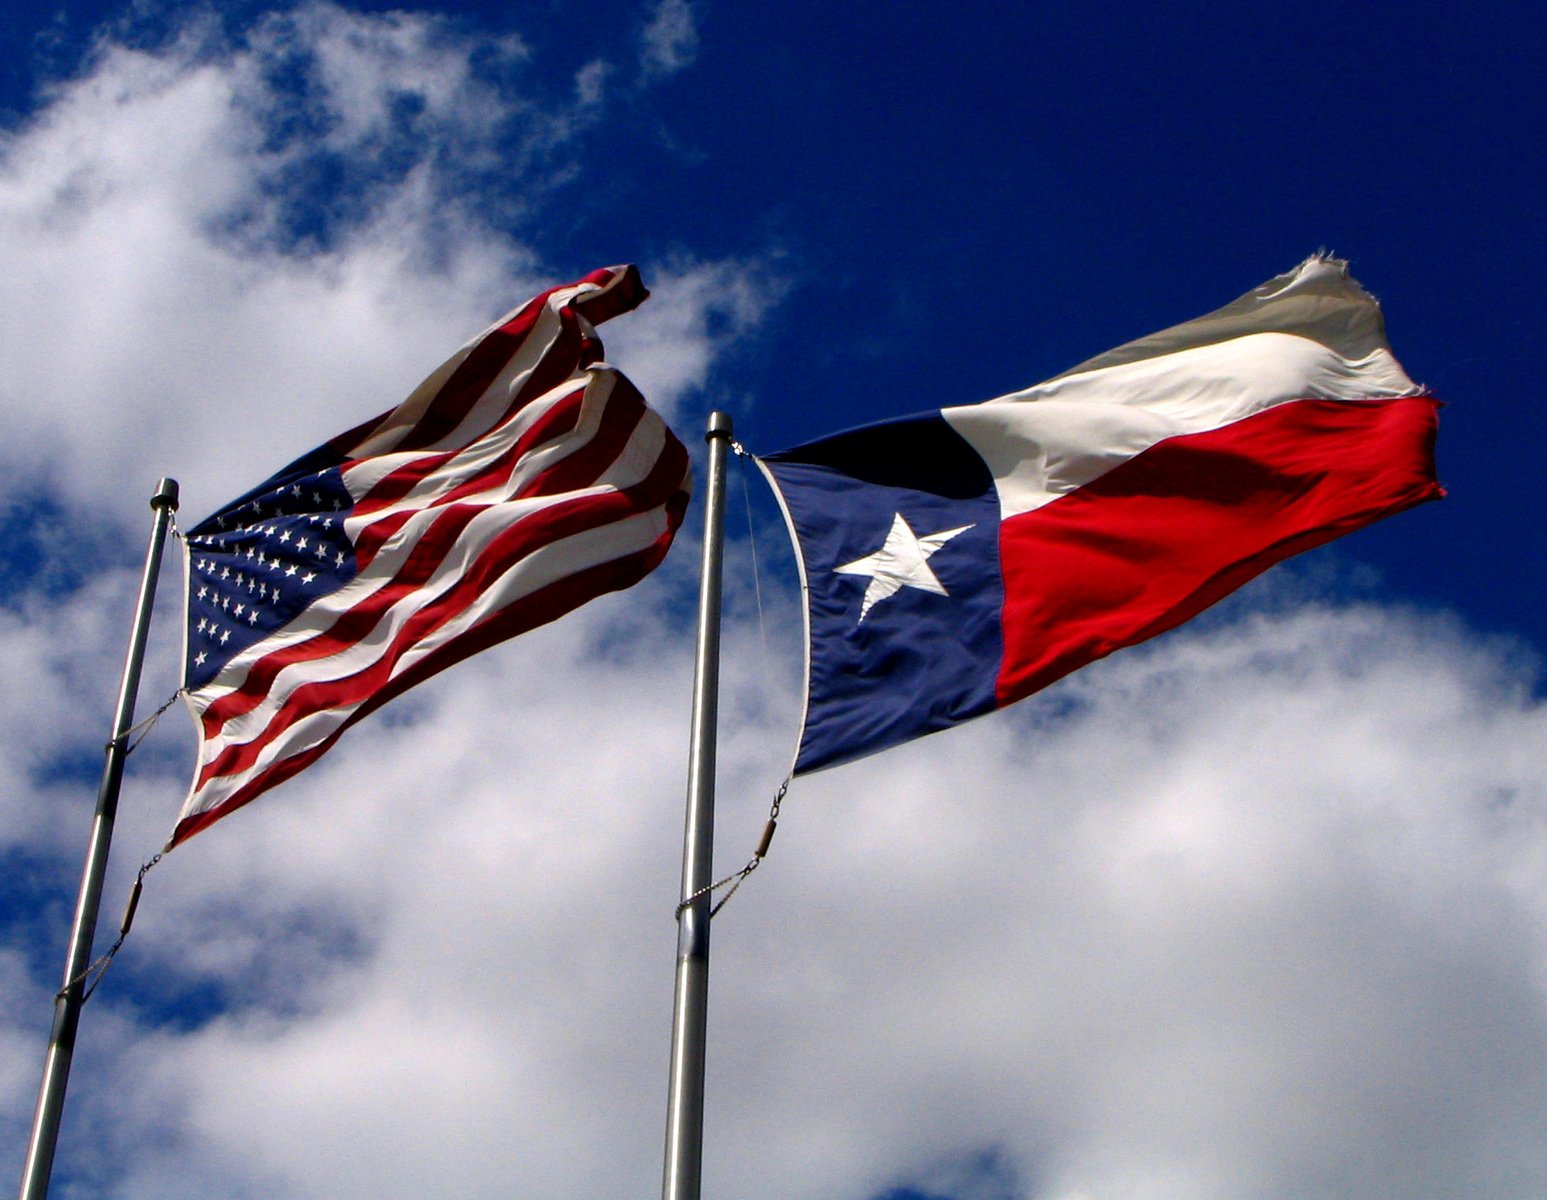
x: 903, y: 561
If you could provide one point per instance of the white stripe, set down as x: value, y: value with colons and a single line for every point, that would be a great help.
x: 632, y: 467
x: 494, y: 402
x: 554, y: 562
x: 1318, y: 300
x: 363, y: 478
x: 1048, y: 440
x: 471, y: 543
x: 314, y: 619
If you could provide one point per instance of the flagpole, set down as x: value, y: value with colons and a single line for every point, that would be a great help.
x: 67, y: 1003
x: 685, y: 1108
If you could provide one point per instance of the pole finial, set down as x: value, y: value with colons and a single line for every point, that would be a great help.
x: 165, y: 495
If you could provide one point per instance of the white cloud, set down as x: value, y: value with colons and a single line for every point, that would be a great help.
x: 591, y: 83
x: 1253, y: 918
x: 204, y: 228
x: 142, y: 213
x: 1253, y: 914
x: 696, y: 312
x: 670, y: 40
x: 1263, y: 907
x: 160, y: 214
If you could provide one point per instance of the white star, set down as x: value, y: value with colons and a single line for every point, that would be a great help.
x: 903, y: 561
x: 198, y: 659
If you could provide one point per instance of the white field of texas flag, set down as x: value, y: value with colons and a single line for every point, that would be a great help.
x: 962, y: 559
x: 524, y: 477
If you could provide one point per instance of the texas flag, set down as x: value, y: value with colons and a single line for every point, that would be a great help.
x: 962, y: 559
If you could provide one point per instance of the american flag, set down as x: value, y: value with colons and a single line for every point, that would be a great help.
x: 521, y: 479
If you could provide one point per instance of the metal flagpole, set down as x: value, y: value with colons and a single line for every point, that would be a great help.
x: 685, y: 1109
x: 67, y: 1004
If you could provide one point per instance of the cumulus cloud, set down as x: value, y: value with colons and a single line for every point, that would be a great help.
x: 1257, y: 917
x: 209, y: 231
x: 1255, y: 907
x: 697, y: 310
x: 152, y: 212
x: 314, y: 212
x: 1253, y: 913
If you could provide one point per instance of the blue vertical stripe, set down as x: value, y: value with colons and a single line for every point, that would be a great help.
x: 918, y: 661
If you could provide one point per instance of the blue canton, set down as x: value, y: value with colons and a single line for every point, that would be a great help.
x: 918, y: 660
x: 262, y: 560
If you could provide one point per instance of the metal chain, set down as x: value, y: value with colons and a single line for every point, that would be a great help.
x: 735, y: 878
x: 147, y: 725
x: 98, y: 969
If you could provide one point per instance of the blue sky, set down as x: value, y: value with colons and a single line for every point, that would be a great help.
x: 1253, y: 913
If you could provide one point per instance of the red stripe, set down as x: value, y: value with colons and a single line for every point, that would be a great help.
x: 590, y: 462
x: 353, y: 689
x: 436, y: 541
x: 531, y: 534
x: 623, y: 291
x: 474, y: 374
x: 558, y: 420
x: 569, y: 351
x: 1178, y: 527
x: 537, y: 608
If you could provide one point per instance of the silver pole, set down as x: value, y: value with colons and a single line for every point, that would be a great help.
x: 67, y: 1004
x: 685, y: 1108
